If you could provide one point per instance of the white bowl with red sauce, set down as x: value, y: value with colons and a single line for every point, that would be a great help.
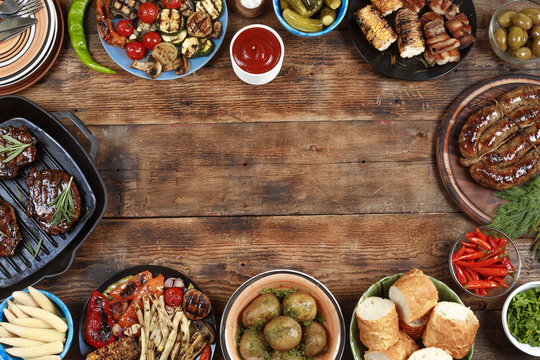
x: 257, y: 54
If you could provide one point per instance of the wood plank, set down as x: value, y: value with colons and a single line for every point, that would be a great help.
x: 346, y: 253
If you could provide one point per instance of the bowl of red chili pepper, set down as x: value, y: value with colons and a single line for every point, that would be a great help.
x: 485, y: 262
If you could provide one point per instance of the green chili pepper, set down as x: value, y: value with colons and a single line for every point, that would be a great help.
x: 76, y: 33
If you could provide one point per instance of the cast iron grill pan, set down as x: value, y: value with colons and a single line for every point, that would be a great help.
x: 56, y: 149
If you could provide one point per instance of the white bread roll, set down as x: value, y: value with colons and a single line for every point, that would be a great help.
x: 451, y: 327
x: 414, y: 295
x: 401, y: 350
x: 430, y: 353
x: 377, y: 323
x: 416, y: 328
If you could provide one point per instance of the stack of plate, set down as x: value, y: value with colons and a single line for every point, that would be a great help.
x: 25, y: 58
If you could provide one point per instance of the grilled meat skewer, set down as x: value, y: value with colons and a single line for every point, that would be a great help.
x: 409, y: 31
x: 9, y: 230
x: 12, y: 140
x: 460, y: 29
x: 386, y: 7
x: 414, y: 5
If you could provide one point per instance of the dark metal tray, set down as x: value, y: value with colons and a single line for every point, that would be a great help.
x: 57, y: 148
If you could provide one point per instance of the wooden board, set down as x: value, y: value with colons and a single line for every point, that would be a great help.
x: 476, y: 201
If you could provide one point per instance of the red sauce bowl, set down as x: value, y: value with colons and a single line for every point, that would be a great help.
x: 257, y: 54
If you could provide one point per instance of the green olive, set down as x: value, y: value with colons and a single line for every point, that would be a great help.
x: 535, y: 31
x: 522, y: 21
x: 536, y: 47
x: 523, y: 53
x: 501, y: 38
x: 533, y: 13
x: 505, y: 20
x: 525, y: 38
x: 515, y: 37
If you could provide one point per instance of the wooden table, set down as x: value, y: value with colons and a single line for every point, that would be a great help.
x: 329, y: 169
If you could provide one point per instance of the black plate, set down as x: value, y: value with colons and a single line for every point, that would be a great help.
x: 56, y: 149
x: 411, y: 69
x: 85, y: 349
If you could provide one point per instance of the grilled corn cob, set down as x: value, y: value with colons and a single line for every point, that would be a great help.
x: 410, y: 37
x: 122, y: 349
x: 376, y: 29
x: 386, y: 7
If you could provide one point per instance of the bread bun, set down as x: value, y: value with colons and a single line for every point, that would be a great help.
x: 377, y: 323
x: 430, y: 353
x: 451, y: 327
x: 401, y: 350
x: 416, y: 328
x: 414, y: 295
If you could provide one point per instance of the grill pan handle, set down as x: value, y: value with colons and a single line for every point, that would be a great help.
x: 93, y: 141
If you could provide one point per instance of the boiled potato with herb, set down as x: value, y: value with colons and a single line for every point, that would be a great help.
x: 314, y: 339
x: 300, y: 306
x: 263, y: 308
x: 253, y: 345
x: 283, y: 333
x: 286, y: 355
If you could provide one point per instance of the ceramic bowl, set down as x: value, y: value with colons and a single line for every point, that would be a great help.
x: 526, y: 348
x: 515, y: 5
x: 63, y: 309
x: 513, y: 256
x: 283, y: 279
x: 257, y: 79
x: 380, y: 289
x: 340, y: 14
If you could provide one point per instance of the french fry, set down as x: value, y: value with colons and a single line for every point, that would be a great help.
x: 47, y: 335
x: 14, y: 308
x: 142, y: 338
x: 19, y: 342
x: 172, y: 336
x: 38, y: 350
x: 43, y: 301
x: 24, y: 298
x: 46, y: 316
x: 185, y: 333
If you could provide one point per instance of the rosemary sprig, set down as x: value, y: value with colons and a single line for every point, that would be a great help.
x: 64, y: 205
x: 19, y: 194
x: 32, y: 251
x: 14, y: 148
x: 2, y: 233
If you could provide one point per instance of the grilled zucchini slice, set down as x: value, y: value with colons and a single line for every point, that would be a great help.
x: 170, y: 21
x: 191, y: 47
x: 207, y: 46
x: 187, y: 8
x: 176, y: 40
x: 212, y: 7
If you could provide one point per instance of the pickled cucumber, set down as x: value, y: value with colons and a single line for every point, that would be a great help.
x: 299, y: 7
x: 328, y: 16
x: 312, y: 6
x: 333, y: 4
x: 301, y: 23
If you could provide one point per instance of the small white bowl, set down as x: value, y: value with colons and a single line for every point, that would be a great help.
x: 526, y: 348
x: 257, y: 79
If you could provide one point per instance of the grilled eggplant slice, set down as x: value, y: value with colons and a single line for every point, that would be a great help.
x: 187, y: 8
x: 207, y: 46
x: 141, y: 29
x: 170, y: 21
x: 199, y: 24
x: 196, y: 304
x: 212, y: 7
x: 176, y: 40
x: 191, y: 47
x: 126, y: 8
x: 216, y: 32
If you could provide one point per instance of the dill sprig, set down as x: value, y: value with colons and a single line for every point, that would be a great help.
x: 32, y: 251
x: 520, y: 215
x: 65, y: 207
x: 13, y: 149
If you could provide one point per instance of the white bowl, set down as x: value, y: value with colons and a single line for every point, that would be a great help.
x: 257, y: 79
x: 526, y: 348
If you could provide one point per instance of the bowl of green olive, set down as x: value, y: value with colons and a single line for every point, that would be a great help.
x: 514, y: 32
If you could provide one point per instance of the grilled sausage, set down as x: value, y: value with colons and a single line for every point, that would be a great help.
x: 524, y: 95
x: 474, y: 127
x: 509, y: 153
x: 496, y: 134
x: 409, y: 31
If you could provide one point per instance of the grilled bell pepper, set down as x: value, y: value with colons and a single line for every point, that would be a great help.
x: 153, y: 286
x: 99, y: 322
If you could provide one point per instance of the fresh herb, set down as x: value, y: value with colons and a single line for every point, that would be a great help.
x: 524, y: 317
x: 3, y: 234
x: 85, y: 215
x: 19, y: 194
x: 13, y: 149
x: 32, y: 251
x: 65, y: 207
x: 279, y: 293
x: 521, y: 214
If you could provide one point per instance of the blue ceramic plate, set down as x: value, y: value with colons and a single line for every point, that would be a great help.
x: 63, y: 309
x: 119, y: 55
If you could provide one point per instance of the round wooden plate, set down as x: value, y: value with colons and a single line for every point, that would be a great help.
x: 476, y: 201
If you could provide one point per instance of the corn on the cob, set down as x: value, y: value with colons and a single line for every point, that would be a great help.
x: 122, y: 349
x: 386, y: 7
x: 376, y: 29
x: 410, y: 37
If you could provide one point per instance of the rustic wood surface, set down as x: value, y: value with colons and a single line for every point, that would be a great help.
x: 329, y: 169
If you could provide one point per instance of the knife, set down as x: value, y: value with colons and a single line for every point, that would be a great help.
x: 16, y: 22
x: 8, y: 34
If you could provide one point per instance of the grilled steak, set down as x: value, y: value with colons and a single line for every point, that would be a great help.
x: 9, y: 231
x: 19, y: 142
x: 45, y: 187
x: 125, y: 348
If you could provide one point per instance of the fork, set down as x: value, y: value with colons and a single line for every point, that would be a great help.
x: 20, y: 7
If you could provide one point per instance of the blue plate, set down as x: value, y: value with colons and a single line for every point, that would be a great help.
x: 63, y: 309
x: 119, y: 55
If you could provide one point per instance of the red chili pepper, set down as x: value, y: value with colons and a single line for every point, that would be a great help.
x: 470, y: 256
x: 490, y: 253
x: 468, y: 274
x: 482, y: 291
x: 99, y: 322
x: 470, y: 234
x: 484, y: 263
x: 458, y: 253
x: 480, y: 234
x: 470, y: 250
x: 500, y: 281
x: 460, y: 274
x: 507, y: 264
x: 502, y: 242
x: 481, y: 284
x: 492, y: 242
x: 480, y: 242
x: 205, y: 355
x: 492, y: 271
x: 468, y: 244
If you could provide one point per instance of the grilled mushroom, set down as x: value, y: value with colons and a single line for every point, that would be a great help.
x: 196, y: 305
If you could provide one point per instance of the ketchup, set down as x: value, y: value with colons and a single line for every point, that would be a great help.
x: 256, y: 50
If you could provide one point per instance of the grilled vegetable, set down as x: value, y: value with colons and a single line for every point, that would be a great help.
x: 376, y: 29
x: 386, y: 7
x: 126, y: 8
x: 212, y: 7
x: 165, y: 53
x: 410, y: 38
x: 176, y: 40
x: 170, y: 21
x: 333, y: 4
x: 207, y: 46
x: 190, y: 47
x: 216, y: 32
x: 300, y: 22
x: 124, y: 349
x: 199, y: 24
x: 186, y: 8
x: 196, y: 304
x: 328, y: 16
